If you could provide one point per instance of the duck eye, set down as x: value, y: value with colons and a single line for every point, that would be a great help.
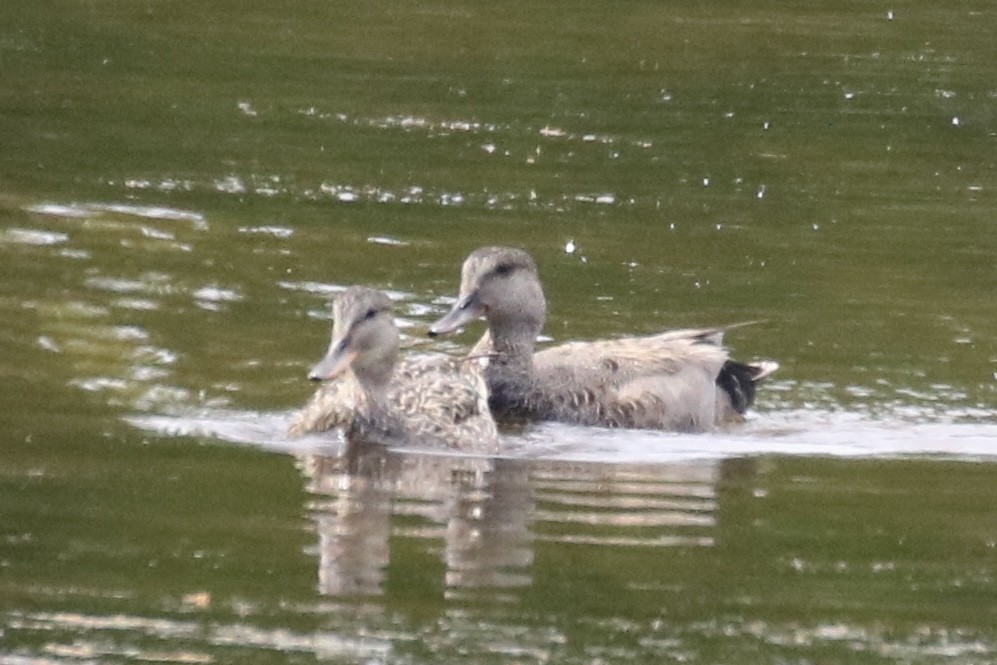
x: 503, y: 269
x: 370, y: 314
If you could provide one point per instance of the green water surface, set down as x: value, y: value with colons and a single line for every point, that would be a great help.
x: 183, y: 184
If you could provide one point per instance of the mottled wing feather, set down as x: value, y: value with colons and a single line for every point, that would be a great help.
x: 443, y: 397
x: 614, y: 363
x: 664, y: 379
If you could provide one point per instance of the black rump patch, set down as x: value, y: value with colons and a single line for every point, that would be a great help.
x: 738, y: 381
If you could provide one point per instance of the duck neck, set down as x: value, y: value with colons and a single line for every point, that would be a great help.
x: 515, y: 321
x: 510, y: 372
x: 516, y: 315
x: 514, y: 349
x: 374, y: 383
x: 377, y: 420
x: 374, y: 374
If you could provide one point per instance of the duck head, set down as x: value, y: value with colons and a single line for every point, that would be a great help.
x: 364, y: 338
x: 501, y: 285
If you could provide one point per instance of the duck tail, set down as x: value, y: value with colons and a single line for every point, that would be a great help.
x: 739, y: 380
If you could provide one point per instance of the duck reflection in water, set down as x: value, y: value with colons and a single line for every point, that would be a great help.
x: 461, y: 527
x: 478, y: 507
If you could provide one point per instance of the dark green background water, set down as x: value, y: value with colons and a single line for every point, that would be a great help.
x: 183, y: 184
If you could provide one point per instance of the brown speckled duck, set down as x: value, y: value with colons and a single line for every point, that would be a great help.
x: 426, y: 400
x: 681, y: 380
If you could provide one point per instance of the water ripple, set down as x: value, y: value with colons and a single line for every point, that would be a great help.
x: 32, y: 237
x: 90, y: 210
x: 95, y: 637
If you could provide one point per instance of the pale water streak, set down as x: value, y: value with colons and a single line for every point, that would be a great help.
x: 794, y: 433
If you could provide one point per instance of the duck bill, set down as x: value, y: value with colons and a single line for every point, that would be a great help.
x: 466, y: 310
x: 336, y: 361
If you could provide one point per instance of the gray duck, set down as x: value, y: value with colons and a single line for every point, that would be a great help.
x: 424, y: 400
x: 680, y: 380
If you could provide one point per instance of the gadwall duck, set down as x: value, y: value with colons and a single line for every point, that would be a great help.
x: 424, y: 400
x: 681, y: 380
